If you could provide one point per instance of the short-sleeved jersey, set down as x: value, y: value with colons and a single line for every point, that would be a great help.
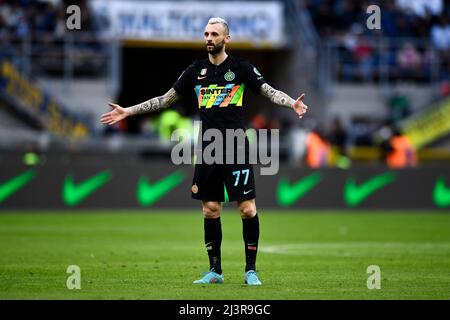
x: 218, y: 91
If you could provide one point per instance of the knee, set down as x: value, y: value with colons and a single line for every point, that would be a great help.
x: 247, y: 210
x: 211, y: 209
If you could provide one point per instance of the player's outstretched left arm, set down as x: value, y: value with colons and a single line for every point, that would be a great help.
x: 280, y: 98
x: 118, y: 113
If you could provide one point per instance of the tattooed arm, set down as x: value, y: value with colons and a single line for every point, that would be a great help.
x: 118, y: 113
x: 276, y: 96
x: 155, y: 103
x: 282, y: 99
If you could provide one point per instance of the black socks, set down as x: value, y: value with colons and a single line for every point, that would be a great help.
x: 213, y: 241
x: 250, y: 231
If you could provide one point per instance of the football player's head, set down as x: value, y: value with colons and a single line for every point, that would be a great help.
x: 217, y: 35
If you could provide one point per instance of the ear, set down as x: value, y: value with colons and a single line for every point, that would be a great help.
x: 227, y: 38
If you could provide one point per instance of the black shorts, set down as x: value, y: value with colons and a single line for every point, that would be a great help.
x: 210, y: 181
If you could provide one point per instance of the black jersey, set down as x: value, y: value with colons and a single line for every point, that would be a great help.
x: 218, y: 91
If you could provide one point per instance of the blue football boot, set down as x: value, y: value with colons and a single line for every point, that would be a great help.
x: 251, y: 278
x: 210, y: 277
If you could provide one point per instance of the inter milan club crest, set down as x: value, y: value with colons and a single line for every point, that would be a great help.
x: 229, y: 76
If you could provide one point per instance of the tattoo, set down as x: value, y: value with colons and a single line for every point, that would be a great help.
x: 276, y: 96
x: 154, y: 104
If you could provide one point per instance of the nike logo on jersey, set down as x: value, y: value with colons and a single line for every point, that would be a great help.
x: 200, y: 78
x: 247, y: 192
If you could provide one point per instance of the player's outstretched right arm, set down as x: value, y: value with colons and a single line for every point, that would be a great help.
x: 118, y: 113
x: 282, y: 99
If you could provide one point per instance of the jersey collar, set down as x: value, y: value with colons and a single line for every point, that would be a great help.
x: 224, y: 62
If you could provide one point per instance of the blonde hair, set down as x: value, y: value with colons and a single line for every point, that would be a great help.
x: 221, y: 21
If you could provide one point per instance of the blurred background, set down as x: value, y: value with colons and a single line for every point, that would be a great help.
x: 379, y: 98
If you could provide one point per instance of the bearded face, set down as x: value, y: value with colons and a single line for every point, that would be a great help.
x: 214, y: 49
x: 216, y: 38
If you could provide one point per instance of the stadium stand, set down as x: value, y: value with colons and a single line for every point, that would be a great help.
x: 381, y: 77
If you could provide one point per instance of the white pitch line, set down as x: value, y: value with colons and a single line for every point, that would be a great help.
x: 347, y: 249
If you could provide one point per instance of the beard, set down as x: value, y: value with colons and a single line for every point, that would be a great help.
x: 216, y: 49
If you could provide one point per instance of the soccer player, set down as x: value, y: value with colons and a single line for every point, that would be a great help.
x: 219, y: 83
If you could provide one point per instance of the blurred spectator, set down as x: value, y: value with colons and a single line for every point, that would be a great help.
x: 445, y: 73
x: 409, y: 61
x: 318, y: 149
x: 364, y: 58
x: 399, y: 107
x: 389, y: 19
x: 23, y: 18
x: 347, y: 14
x: 324, y: 18
x: 400, y: 153
x: 60, y: 25
x: 338, y: 135
x: 440, y: 34
x: 162, y: 125
x: 349, y: 42
x: 445, y: 88
x: 22, y: 29
x: 404, y: 24
x: 421, y: 7
x: 345, y: 21
x: 261, y: 121
x: 297, y: 141
x: 386, y: 61
x: 45, y: 20
x: 168, y: 121
x: 360, y: 132
x: 429, y: 61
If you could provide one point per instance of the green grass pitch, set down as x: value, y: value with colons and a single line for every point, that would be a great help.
x: 157, y: 255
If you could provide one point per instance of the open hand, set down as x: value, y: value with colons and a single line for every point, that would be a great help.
x: 115, y: 115
x: 299, y: 106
